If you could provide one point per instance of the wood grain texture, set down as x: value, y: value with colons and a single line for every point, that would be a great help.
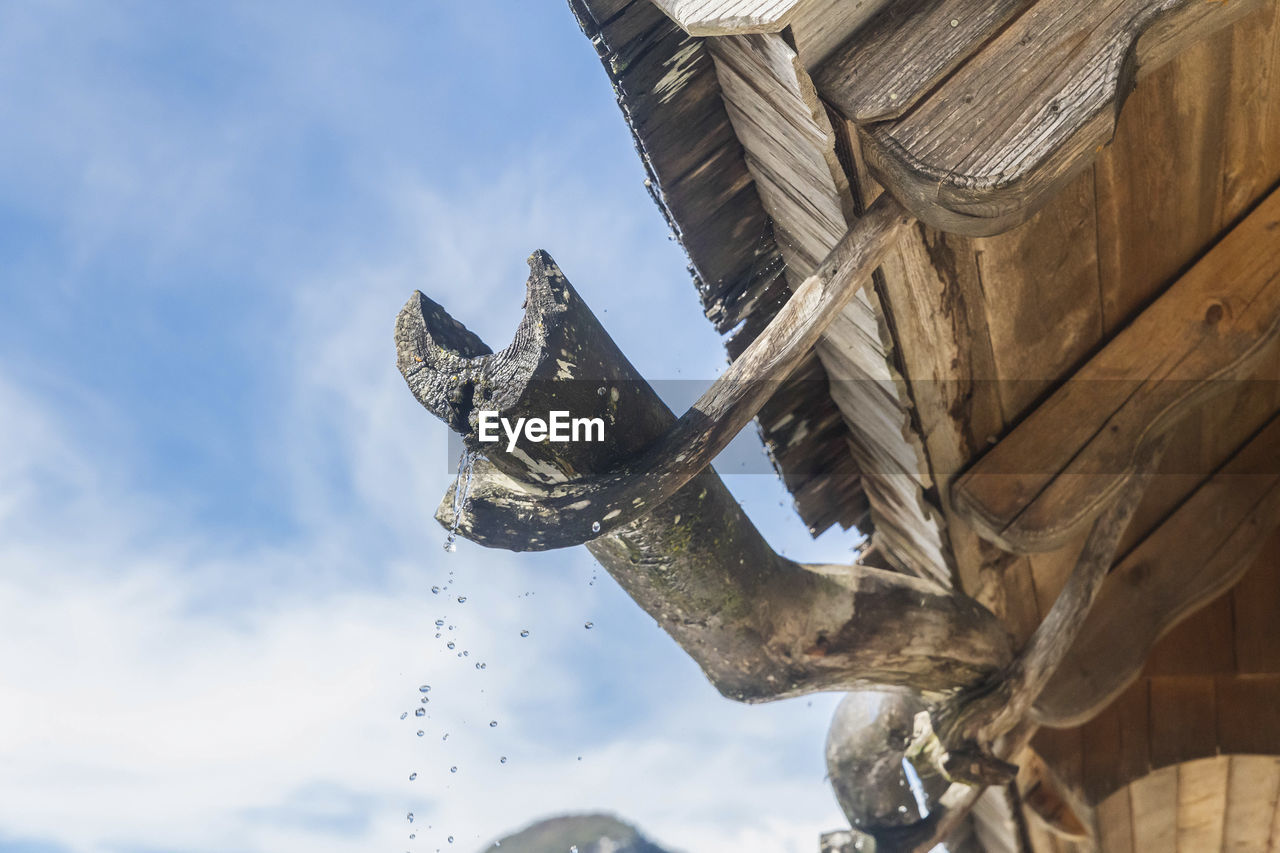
x: 729, y: 17
x: 1199, y: 553
x: 1253, y: 786
x: 1060, y: 466
x: 1202, y: 803
x: 891, y: 63
x: 791, y: 152
x: 979, y: 155
x: 1154, y: 801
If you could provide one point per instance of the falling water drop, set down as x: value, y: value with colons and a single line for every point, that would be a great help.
x: 461, y: 491
x: 405, y: 714
x: 595, y: 527
x: 439, y: 623
x: 453, y: 769
x: 524, y: 633
x: 502, y: 760
x: 421, y: 712
x: 426, y: 688
x: 421, y: 733
x: 450, y: 645
x: 589, y: 625
x: 462, y: 599
x: 413, y: 776
x: 493, y: 724
x: 450, y: 839
x: 409, y: 817
x: 435, y: 590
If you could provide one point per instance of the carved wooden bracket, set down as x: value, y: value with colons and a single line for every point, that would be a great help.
x: 965, y: 150
x: 1197, y: 554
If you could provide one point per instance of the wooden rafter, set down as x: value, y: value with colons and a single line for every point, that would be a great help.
x: 1063, y: 464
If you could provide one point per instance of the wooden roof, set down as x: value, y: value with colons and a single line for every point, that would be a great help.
x: 1096, y: 264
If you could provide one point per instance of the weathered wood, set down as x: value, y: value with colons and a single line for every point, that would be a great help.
x: 729, y: 17
x: 668, y: 91
x: 973, y: 726
x: 1060, y: 466
x: 761, y: 626
x: 1199, y: 553
x: 543, y: 515
x: 979, y: 154
x: 791, y: 152
x: 884, y: 69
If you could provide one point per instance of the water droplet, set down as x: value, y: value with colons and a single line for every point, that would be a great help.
x: 466, y: 654
x: 435, y: 590
x: 524, y: 633
x: 425, y: 700
x: 409, y: 817
x: 479, y: 665
x: 493, y: 724
x: 595, y: 527
x: 426, y: 688
x: 446, y: 736
x: 405, y: 714
x: 439, y: 623
x: 450, y: 839
x: 461, y: 491
x: 421, y: 733
x: 453, y: 769
x: 573, y: 848
x: 589, y: 625
x: 502, y: 760
x: 600, y: 390
x: 450, y: 645
x: 413, y: 776
x: 421, y: 712
x: 462, y: 599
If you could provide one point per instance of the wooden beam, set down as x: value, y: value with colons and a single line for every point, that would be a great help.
x: 1067, y: 460
x: 760, y: 626
x: 886, y: 67
x: 1196, y: 555
x: 554, y: 511
x: 729, y: 17
x: 1029, y: 109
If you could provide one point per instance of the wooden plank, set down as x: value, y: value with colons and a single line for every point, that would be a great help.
x: 1059, y: 467
x: 1202, y: 804
x: 979, y: 155
x: 1183, y: 723
x: 888, y: 65
x: 1115, y: 823
x: 1248, y: 709
x: 1252, y: 788
x: 1256, y: 602
x: 791, y: 152
x: 729, y: 17
x: 1202, y: 644
x: 1199, y: 553
x: 1154, y: 800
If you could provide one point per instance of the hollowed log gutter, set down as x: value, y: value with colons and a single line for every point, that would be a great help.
x: 761, y: 626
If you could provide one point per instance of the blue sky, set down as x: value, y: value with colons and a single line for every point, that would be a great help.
x: 216, y: 545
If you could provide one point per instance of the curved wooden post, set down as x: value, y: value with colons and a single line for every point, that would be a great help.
x: 760, y: 626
